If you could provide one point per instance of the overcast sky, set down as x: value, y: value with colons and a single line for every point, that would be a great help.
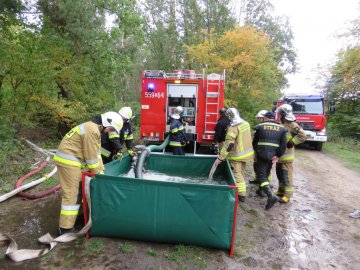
x: 315, y: 24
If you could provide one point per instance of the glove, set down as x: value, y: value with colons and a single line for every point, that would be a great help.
x: 118, y: 156
x: 216, y: 149
x: 289, y: 144
x: 132, y: 153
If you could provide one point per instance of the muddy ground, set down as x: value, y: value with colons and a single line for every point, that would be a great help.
x: 313, y: 231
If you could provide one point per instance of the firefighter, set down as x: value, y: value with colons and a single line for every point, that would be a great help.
x: 111, y: 143
x: 260, y: 117
x: 126, y: 134
x: 177, y: 132
x: 269, y: 144
x: 237, y: 149
x: 220, y: 131
x: 284, y: 168
x: 78, y: 150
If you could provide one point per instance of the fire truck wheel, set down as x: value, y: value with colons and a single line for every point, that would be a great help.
x: 318, y: 146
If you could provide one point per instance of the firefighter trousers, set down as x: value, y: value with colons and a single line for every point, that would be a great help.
x: 262, y: 168
x: 178, y: 150
x: 239, y: 174
x: 70, y: 178
x: 284, y: 172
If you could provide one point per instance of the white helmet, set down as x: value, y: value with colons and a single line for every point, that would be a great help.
x: 286, y: 111
x: 234, y: 116
x: 112, y: 119
x: 177, y: 112
x: 126, y: 112
x: 261, y: 113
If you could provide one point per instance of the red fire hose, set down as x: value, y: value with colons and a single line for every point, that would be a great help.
x: 40, y: 194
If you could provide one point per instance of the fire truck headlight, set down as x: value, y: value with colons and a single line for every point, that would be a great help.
x: 150, y: 87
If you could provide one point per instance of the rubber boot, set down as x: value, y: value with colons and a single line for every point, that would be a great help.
x: 241, y: 198
x: 272, y: 198
x: 260, y: 193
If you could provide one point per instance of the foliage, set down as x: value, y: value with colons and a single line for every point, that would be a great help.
x: 343, y: 86
x: 65, y: 67
x: 260, y: 14
x: 253, y: 79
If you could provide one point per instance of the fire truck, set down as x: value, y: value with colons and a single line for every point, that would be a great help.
x: 201, y: 96
x: 309, y: 110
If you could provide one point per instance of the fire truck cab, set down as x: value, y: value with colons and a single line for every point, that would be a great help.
x: 201, y: 96
x: 310, y: 113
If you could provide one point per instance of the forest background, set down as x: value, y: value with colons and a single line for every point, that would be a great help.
x: 62, y: 61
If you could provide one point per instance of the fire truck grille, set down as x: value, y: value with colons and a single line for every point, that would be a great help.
x: 307, y: 126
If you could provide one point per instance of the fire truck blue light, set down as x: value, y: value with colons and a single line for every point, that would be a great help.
x: 150, y: 87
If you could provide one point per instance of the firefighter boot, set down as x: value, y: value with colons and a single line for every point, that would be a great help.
x: 272, y: 198
x: 260, y: 193
x: 241, y: 198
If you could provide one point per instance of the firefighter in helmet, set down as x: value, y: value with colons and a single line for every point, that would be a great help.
x: 78, y: 150
x: 269, y: 144
x: 237, y: 149
x: 111, y: 143
x: 220, y: 131
x: 260, y: 116
x: 177, y: 132
x: 284, y: 168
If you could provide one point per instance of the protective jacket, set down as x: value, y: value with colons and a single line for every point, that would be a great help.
x: 177, y: 133
x: 127, y: 137
x: 269, y: 140
x: 296, y: 135
x: 220, y: 129
x: 238, y: 143
x: 80, y: 148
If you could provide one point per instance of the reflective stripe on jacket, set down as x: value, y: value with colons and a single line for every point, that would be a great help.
x: 288, y: 156
x: 177, y: 132
x: 80, y: 147
x: 240, y: 136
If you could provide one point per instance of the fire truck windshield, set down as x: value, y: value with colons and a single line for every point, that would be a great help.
x: 307, y: 106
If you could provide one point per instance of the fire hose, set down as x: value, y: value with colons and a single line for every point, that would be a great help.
x: 42, y: 193
x: 18, y: 255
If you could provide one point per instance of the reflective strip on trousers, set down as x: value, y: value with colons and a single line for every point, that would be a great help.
x: 241, y: 187
x: 263, y: 184
x: 70, y: 210
x: 287, y: 157
x: 67, y: 160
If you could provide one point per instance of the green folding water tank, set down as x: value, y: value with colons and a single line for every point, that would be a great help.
x: 165, y: 211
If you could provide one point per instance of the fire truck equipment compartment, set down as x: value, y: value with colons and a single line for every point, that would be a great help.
x: 164, y: 211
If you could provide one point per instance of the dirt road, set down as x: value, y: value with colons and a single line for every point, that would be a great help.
x: 313, y: 231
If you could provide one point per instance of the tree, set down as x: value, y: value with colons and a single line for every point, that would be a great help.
x: 252, y: 74
x: 259, y: 14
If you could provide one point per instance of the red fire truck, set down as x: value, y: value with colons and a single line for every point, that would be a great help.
x: 201, y: 96
x: 309, y: 110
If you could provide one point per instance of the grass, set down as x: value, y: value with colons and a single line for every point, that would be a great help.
x: 188, y: 255
x: 152, y: 253
x: 93, y: 247
x: 126, y: 248
x: 346, y: 151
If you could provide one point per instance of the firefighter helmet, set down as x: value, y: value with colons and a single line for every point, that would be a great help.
x: 234, y: 116
x: 112, y: 119
x: 178, y: 112
x: 286, y: 111
x: 126, y: 113
x: 261, y: 113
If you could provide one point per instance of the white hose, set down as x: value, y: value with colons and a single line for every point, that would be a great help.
x: 27, y: 186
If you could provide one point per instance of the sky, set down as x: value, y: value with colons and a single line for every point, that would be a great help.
x: 315, y: 24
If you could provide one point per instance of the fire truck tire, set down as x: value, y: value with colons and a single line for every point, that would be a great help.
x: 318, y: 146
